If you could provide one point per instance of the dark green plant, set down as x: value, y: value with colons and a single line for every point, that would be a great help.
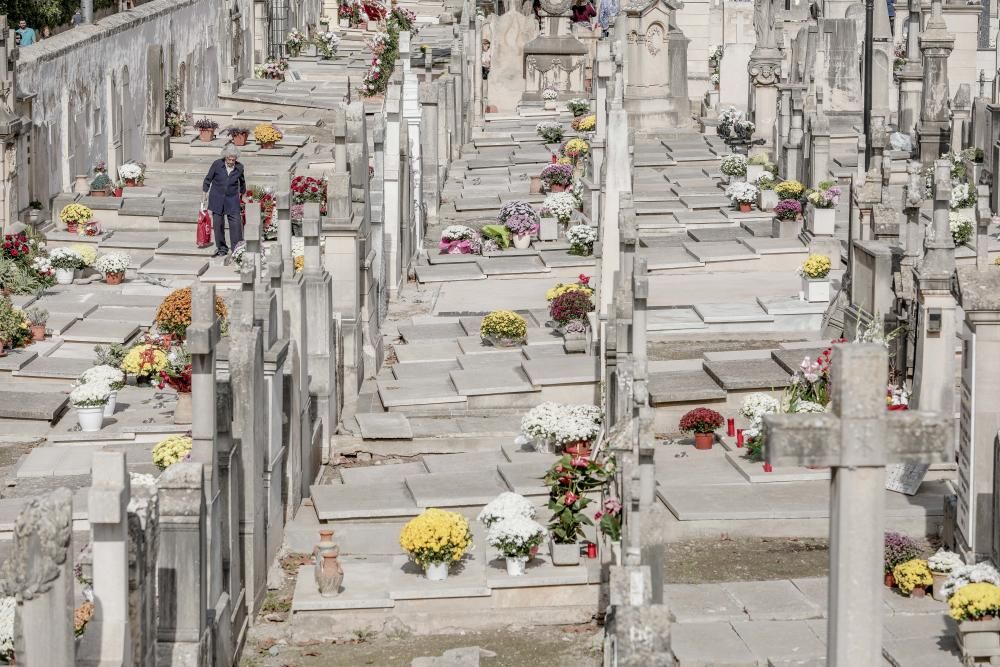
x: 498, y: 233
x: 569, y: 480
x: 100, y: 182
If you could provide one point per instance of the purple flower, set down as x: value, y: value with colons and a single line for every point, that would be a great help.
x: 519, y: 223
x: 899, y: 549
x: 788, y: 209
x: 516, y: 207
x: 557, y: 174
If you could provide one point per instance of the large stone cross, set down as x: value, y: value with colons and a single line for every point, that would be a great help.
x: 857, y: 441
x: 202, y: 335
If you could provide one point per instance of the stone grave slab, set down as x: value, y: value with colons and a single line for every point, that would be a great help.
x: 941, y: 651
x: 475, y: 346
x: 718, y: 234
x: 436, y: 259
x: 791, y: 306
x: 669, y: 257
x: 525, y: 477
x: 423, y: 369
x: 681, y: 386
x: 507, y: 266
x: 124, y: 240
x: 477, y: 203
x: 539, y: 571
x: 712, y: 216
x: 140, y: 315
x: 509, y: 358
x: 15, y: 360
x: 673, y: 319
x: 464, y: 461
x: 720, y: 251
x: 562, y: 370
x: 418, y: 391
x: 58, y: 323
x: 815, y: 589
x: 709, y: 644
x: 748, y: 374
x: 365, y: 587
x: 702, y: 603
x: 758, y: 228
x: 68, y: 303
x: 384, y: 425
x: 100, y: 331
x: 781, y: 639
x: 772, y: 246
x: 185, y: 247
x: 753, y: 471
x: 447, y: 272
x: 425, y: 332
x: 342, y: 501
x: 174, y: 266
x: 722, y: 313
x: 487, y: 381
x: 71, y: 350
x: 705, y: 503
x: 374, y: 474
x: 41, y: 406
x: 58, y: 461
x: 916, y: 625
x: 455, y: 489
x: 772, y: 600
x: 47, y: 367
x: 554, y: 259
x: 709, y: 468
x: 466, y: 579
x: 438, y: 350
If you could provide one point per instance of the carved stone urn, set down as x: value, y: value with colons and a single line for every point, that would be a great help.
x: 329, y: 573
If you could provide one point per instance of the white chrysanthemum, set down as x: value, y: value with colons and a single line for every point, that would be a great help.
x: 109, y: 375
x: 562, y: 205
x: 90, y: 395
x: 513, y: 537
x: 944, y: 561
x: 758, y: 404
x: 807, y: 406
x: 457, y: 233
x: 505, y: 506
x: 115, y: 262
x: 963, y: 575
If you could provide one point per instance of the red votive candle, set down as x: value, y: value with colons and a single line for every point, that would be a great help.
x: 554, y: 159
x: 591, y: 550
x: 731, y: 427
x: 768, y: 468
x: 739, y: 437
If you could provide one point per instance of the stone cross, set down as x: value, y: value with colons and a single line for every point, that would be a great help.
x: 202, y: 336
x: 857, y: 440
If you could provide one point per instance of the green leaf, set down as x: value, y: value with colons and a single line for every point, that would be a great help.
x: 498, y: 233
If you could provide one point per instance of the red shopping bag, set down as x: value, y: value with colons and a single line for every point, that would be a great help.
x: 204, y: 228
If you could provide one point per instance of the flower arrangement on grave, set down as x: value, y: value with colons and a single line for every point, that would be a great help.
x: 816, y: 267
x: 734, y: 165
x: 520, y: 224
x: 295, y: 42
x: 15, y: 330
x: 82, y: 616
x: 578, y: 106
x: 975, y: 602
x: 765, y: 181
x: 515, y: 538
x: 575, y: 148
x: 561, y: 205
x: 965, y: 575
x: 714, y: 62
x: 826, y: 195
x: 584, y: 123
x: 267, y: 135
x: 742, y: 194
x: 944, y: 561
x: 374, y: 10
x: 90, y: 395
x: 503, y: 327
x: 495, y: 237
x: 897, y: 398
x: 239, y: 252
x: 100, y: 184
x: 754, y: 407
x: 436, y: 536
x: 571, y: 305
x: 550, y: 93
x: 87, y: 253
x: 562, y: 424
x: 557, y: 176
x: 264, y: 196
x: 66, y: 258
x: 24, y: 264
x: 789, y: 189
x: 569, y: 480
x: 238, y: 134
x: 145, y: 361
x: 8, y: 611
x: 177, y: 372
x: 960, y: 226
x: 173, y: 116
x: 458, y: 240
x: 898, y: 549
x: 171, y: 450
x: 351, y: 12
x: 913, y: 577
x: 581, y: 240
x: 326, y: 44
x: 788, y: 209
x: 307, y: 189
x: 507, y: 505
x: 384, y: 47
x: 205, y: 124
x: 701, y: 421
x: 401, y: 19
x: 133, y: 173
x: 113, y: 377
x: 15, y: 247
x: 113, y: 266
x: 609, y: 519
x: 173, y: 316
x: 550, y: 131
x: 810, y: 382
x: 37, y: 319
x: 727, y: 119
x: 581, y: 285
x: 75, y: 216
x: 758, y: 160
x: 271, y: 69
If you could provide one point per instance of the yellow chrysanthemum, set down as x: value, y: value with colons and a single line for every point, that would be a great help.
x: 504, y: 324
x: 973, y: 601
x: 789, y: 189
x: 144, y: 360
x: 171, y: 450
x: 266, y: 133
x: 816, y: 266
x: 562, y: 288
x: 86, y: 251
x: 75, y: 213
x: 911, y: 574
x: 436, y: 536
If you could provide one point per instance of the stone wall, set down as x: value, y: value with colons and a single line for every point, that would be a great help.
x: 96, y: 91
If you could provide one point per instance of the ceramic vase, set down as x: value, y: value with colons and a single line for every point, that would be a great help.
x: 90, y: 419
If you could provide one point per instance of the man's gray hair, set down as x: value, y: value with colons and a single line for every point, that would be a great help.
x: 230, y: 150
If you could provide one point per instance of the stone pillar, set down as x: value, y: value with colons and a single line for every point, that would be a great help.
x: 819, y: 159
x: 936, y: 44
x: 477, y: 75
x: 911, y: 76
x: 107, y: 511
x: 182, y: 575
x: 961, y: 118
x: 323, y: 335
x: 765, y: 72
x: 617, y: 181
x: 391, y: 213
x: 792, y: 148
x: 429, y: 150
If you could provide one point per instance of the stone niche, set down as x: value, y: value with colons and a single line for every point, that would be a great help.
x: 555, y: 58
x: 656, y: 94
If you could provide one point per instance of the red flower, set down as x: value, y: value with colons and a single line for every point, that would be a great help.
x: 579, y: 462
x: 584, y: 279
x: 598, y: 515
x: 570, y: 498
x: 565, y: 481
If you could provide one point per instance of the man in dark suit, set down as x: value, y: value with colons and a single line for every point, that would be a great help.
x: 223, y: 187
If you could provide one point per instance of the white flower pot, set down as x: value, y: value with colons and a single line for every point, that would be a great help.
x: 564, y: 554
x: 815, y: 290
x: 767, y: 200
x: 820, y: 221
x: 550, y: 105
x: 515, y: 565
x: 548, y: 229
x: 109, y: 408
x: 753, y: 171
x: 91, y: 419
x: 937, y: 587
x: 345, y: 23
x: 65, y: 276
x: 522, y: 241
x: 436, y: 571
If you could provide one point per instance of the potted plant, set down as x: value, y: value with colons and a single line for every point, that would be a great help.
x: 743, y: 195
x: 787, y: 221
x: 581, y: 240
x: 913, y: 577
x: 295, y: 42
x: 578, y: 106
x: 963, y: 200
x: 960, y: 226
x: 503, y: 328
x: 66, y: 262
x: 549, y: 97
x: 702, y: 422
x: 172, y: 449
x: 144, y: 361
x: 113, y: 266
x: 575, y: 148
x: 569, y: 480
x: 557, y: 177
x: 206, y: 129
x: 756, y: 166
x: 815, y: 282
x: 767, y: 199
x: 271, y: 69
x: 326, y: 44
x: 349, y: 14
x: 89, y: 400
x: 176, y: 374
x: 10, y: 323
x: 37, y: 319
x: 515, y: 537
x: 550, y: 131
x: 506, y: 506
x: 267, y: 135
x: 734, y: 166
x: 435, y: 539
x: 521, y: 227
x: 173, y: 315
x: 897, y: 549
x: 75, y: 216
x: 821, y: 210
x: 976, y: 607
x: 584, y: 123
x: 113, y: 377
x: 459, y: 240
x: 100, y: 186
x: 789, y: 190
x: 610, y: 519
x: 714, y: 79
x: 570, y: 307
x: 577, y: 428
x: 132, y: 173
x: 238, y: 135
x: 941, y: 564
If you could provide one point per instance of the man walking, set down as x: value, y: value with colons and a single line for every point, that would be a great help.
x: 222, y: 189
x: 26, y: 34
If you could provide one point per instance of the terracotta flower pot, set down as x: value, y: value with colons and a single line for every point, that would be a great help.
x: 557, y: 187
x: 704, y: 440
x: 890, y: 581
x: 117, y: 192
x: 131, y: 182
x: 38, y: 332
x: 206, y: 134
x: 745, y: 207
x: 114, y: 278
x: 918, y: 592
x: 98, y: 193
x: 267, y: 144
x: 72, y: 227
x: 240, y: 139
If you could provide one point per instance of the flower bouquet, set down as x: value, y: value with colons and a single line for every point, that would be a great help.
x: 459, y: 240
x: 550, y: 131
x: 271, y: 69
x: 557, y: 177
x: 171, y: 450
x: 507, y: 505
x: 295, y: 42
x: 742, y: 194
x: 113, y: 266
x: 963, y: 195
x: 435, y: 539
x: 610, y: 519
x: 326, y: 44
x: 503, y: 328
x: 515, y: 538
x: 561, y: 205
x: 267, y: 135
x: 826, y: 195
x: 754, y: 407
x: 734, y: 165
x: 702, y: 422
x: 350, y: 14
x: 960, y: 226
x: 578, y: 106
